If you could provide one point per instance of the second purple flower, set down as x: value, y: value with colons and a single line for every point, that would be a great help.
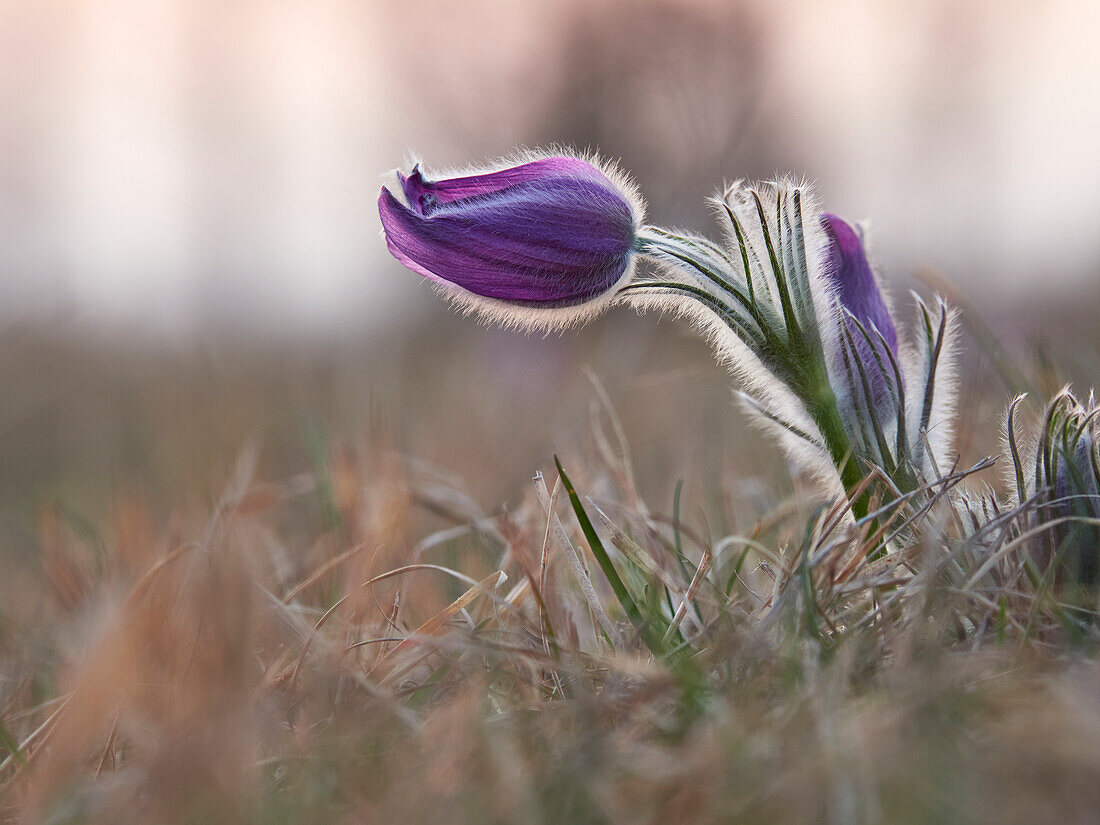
x: 872, y: 336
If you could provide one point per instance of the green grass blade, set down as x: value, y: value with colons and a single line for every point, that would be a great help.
x: 630, y: 607
x: 8, y: 743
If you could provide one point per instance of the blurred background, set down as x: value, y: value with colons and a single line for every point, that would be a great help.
x: 190, y: 254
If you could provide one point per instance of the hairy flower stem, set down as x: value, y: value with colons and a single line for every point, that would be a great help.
x: 827, y: 417
x: 821, y: 404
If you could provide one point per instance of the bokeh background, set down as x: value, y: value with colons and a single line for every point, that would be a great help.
x: 190, y: 254
x: 224, y: 408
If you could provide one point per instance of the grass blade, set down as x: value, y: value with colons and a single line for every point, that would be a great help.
x: 630, y: 607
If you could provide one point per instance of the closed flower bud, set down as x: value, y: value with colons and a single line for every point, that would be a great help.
x: 1065, y: 484
x: 543, y: 243
x: 870, y: 327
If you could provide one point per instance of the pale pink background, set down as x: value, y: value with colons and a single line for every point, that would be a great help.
x: 171, y: 165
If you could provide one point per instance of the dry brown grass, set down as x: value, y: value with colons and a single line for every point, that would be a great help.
x: 331, y: 638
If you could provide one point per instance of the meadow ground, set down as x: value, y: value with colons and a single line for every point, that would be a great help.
x: 320, y: 584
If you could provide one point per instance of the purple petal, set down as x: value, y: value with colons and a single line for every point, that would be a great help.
x: 846, y: 266
x: 546, y: 239
x: 425, y: 196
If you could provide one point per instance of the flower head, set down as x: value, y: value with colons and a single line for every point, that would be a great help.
x: 864, y: 363
x: 870, y: 338
x: 549, y: 234
x: 1064, y: 484
x: 847, y: 268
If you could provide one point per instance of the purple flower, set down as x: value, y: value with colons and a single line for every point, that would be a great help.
x: 856, y: 287
x: 869, y: 323
x: 554, y: 232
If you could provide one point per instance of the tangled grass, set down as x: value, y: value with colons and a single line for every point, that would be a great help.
x: 359, y: 641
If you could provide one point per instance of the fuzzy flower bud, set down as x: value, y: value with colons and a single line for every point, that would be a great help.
x: 551, y: 233
x: 870, y: 327
x: 1065, y: 483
